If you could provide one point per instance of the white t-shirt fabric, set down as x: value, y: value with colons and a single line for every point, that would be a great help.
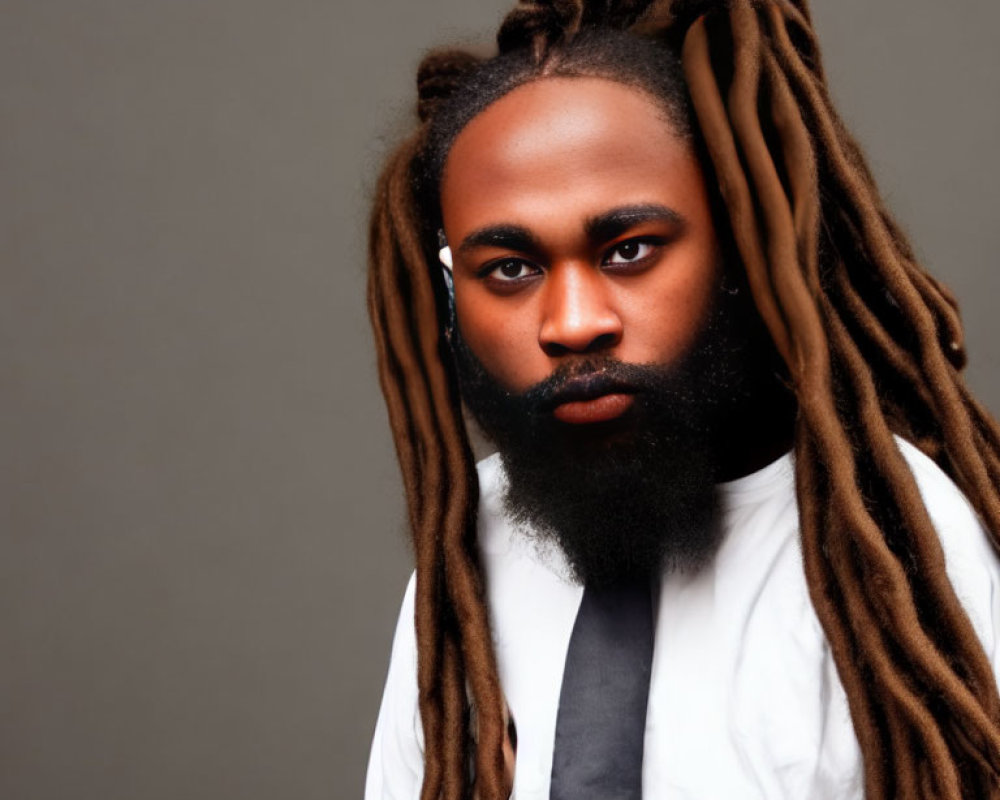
x: 745, y: 701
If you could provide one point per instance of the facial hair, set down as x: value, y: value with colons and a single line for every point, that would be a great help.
x: 627, y: 498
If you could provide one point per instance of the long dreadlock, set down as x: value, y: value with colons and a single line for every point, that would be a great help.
x: 873, y: 347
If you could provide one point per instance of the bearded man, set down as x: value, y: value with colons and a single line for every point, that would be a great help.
x: 736, y: 539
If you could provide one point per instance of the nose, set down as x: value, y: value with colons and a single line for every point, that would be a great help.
x: 578, y: 316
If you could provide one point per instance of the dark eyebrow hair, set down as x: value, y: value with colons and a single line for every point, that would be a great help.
x: 510, y: 237
x: 618, y: 220
x: 600, y: 228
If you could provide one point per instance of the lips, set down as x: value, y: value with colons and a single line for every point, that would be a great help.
x: 600, y: 409
x: 592, y: 398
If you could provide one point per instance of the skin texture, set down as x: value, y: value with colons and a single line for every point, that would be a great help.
x: 537, y: 284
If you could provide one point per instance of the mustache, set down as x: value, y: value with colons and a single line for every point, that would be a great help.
x: 588, y: 379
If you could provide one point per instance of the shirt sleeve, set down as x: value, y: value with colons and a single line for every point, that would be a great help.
x: 396, y: 763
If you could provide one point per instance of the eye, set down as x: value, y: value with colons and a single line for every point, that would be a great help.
x: 630, y: 252
x: 509, y: 270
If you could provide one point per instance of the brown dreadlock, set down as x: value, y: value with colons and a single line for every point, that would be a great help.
x: 873, y: 347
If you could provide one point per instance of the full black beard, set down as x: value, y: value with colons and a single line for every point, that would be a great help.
x: 631, y: 497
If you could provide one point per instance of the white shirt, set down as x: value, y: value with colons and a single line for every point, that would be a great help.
x: 745, y: 701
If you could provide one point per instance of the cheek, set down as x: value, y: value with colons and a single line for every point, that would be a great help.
x: 502, y: 338
x: 664, y: 314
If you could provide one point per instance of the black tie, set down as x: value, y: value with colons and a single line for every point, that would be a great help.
x: 601, y: 723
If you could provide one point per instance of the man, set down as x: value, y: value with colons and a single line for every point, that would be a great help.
x: 647, y: 280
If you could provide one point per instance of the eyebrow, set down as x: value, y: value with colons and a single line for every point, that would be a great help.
x: 601, y: 227
x: 508, y: 237
x: 618, y: 220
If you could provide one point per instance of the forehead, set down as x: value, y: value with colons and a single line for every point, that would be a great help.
x: 561, y: 144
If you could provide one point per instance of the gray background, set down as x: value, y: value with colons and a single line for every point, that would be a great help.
x: 200, y: 514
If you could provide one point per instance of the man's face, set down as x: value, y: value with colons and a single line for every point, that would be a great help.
x: 579, y: 225
x: 593, y: 344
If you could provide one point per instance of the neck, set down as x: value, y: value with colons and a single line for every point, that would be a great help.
x: 760, y: 430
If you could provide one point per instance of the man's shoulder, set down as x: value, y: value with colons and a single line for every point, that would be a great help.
x: 971, y: 560
x: 953, y: 516
x: 395, y: 765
